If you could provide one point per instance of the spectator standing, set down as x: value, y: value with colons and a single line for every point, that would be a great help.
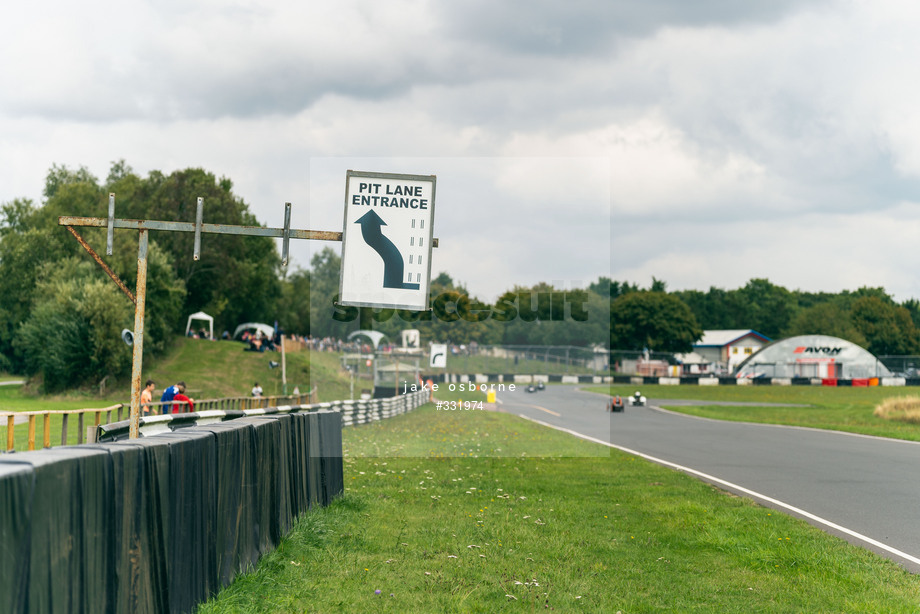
x: 188, y: 405
x: 168, y: 395
x: 147, y: 396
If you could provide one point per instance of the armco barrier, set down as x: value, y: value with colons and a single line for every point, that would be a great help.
x: 353, y: 412
x: 160, y: 523
x: 691, y: 380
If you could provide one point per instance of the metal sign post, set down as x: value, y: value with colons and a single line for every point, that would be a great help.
x: 377, y: 243
x: 143, y: 227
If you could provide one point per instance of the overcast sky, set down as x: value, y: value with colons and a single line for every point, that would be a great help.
x: 702, y: 143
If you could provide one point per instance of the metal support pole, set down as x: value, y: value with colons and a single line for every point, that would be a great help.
x: 138, y: 363
x: 286, y: 239
x: 110, y: 226
x: 199, y: 212
x: 111, y: 223
x: 283, y: 368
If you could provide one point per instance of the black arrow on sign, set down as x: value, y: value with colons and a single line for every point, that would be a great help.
x: 393, y: 263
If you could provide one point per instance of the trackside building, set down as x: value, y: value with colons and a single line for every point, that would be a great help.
x: 728, y: 348
x: 813, y: 356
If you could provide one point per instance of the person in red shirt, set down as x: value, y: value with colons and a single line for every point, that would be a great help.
x: 185, y: 403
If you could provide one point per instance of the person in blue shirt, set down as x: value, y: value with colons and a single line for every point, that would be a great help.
x: 168, y: 395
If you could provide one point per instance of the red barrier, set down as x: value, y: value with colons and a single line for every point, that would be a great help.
x: 862, y: 382
x: 829, y: 382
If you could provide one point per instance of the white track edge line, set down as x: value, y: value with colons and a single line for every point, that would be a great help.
x: 754, y: 494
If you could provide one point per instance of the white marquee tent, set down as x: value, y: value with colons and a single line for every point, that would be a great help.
x: 266, y: 330
x: 201, y: 316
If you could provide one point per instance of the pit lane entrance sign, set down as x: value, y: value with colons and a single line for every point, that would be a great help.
x: 387, y: 240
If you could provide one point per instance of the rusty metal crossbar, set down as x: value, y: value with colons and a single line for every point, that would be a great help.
x: 111, y: 223
x: 225, y: 229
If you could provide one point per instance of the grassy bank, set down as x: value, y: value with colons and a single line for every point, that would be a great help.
x: 484, y: 512
x: 212, y: 369
x: 841, y: 409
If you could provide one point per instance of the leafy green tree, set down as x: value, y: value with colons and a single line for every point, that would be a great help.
x: 767, y: 308
x: 826, y: 318
x: 887, y: 328
x: 606, y: 288
x: 455, y: 316
x: 326, y: 319
x: 546, y: 315
x: 716, y: 309
x: 913, y: 307
x: 29, y: 238
x: 294, y: 303
x: 33, y: 245
x: 165, y: 301
x: 658, y: 285
x: 71, y: 334
x: 59, y: 176
x: 655, y: 320
x: 237, y: 277
x: 528, y: 310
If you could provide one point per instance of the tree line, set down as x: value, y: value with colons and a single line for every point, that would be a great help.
x: 658, y: 320
x: 60, y: 316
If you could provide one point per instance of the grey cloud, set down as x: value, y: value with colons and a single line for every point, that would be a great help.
x: 579, y: 26
x: 471, y: 43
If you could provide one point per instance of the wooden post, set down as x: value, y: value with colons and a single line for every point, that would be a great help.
x: 10, y: 433
x: 65, y: 417
x: 138, y: 346
x: 80, y: 427
x: 31, y: 431
x: 46, y: 439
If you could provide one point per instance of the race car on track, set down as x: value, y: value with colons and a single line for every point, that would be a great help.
x: 637, y: 400
x: 616, y: 404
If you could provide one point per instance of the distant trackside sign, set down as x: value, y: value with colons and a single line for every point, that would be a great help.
x: 386, y: 241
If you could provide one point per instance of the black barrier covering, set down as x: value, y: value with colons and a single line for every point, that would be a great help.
x: 247, y: 484
x: 158, y: 524
x: 280, y: 477
x: 68, y: 564
x: 138, y: 556
x: 190, y: 516
x: 328, y: 455
x: 16, y: 486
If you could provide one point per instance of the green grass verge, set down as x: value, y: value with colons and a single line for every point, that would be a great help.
x: 433, y: 521
x: 825, y: 407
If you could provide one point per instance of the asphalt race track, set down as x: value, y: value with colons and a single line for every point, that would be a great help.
x: 863, y: 489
